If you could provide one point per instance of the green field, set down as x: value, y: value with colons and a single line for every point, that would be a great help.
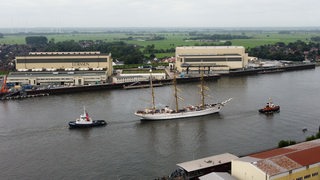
x: 171, y: 39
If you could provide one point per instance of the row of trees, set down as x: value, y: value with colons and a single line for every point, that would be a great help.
x: 151, y: 49
x: 284, y: 143
x: 128, y: 53
x: 217, y: 37
x: 295, y: 51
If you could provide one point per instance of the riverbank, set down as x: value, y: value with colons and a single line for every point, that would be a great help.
x: 187, y: 79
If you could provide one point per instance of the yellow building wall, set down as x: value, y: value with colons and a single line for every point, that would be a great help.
x: 213, y: 50
x: 107, y: 64
x: 301, y: 174
x: 189, y: 50
x: 62, y: 65
x: 246, y: 171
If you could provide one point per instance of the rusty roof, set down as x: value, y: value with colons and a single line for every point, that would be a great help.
x: 288, y: 158
x: 271, y: 153
x: 306, y: 157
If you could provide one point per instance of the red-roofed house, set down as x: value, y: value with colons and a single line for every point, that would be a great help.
x: 296, y: 162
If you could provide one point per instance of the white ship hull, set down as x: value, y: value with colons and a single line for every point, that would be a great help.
x: 191, y: 111
x: 185, y: 114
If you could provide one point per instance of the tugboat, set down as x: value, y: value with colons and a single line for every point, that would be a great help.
x: 85, y: 121
x: 270, y: 108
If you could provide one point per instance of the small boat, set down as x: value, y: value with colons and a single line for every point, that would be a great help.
x: 304, y: 129
x: 270, y: 108
x: 136, y: 86
x: 85, y: 121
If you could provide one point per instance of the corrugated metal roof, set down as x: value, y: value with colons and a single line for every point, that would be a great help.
x: 207, y: 162
x: 209, y: 47
x: 271, y: 153
x: 305, y: 145
x: 276, y: 165
x: 288, y: 158
x: 217, y: 176
x: 306, y: 157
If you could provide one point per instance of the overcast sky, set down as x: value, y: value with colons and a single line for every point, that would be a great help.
x: 159, y: 13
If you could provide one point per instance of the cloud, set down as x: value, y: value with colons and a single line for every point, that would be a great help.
x: 158, y: 13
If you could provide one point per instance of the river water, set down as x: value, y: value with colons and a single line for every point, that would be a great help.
x: 37, y: 144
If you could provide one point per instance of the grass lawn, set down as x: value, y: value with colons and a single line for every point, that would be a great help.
x: 172, y: 39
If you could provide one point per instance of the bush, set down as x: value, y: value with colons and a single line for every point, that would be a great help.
x: 310, y: 138
x: 284, y: 143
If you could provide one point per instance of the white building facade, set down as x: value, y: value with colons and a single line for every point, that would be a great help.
x: 211, y: 58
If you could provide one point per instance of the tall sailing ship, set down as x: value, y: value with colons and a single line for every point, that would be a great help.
x: 190, y: 111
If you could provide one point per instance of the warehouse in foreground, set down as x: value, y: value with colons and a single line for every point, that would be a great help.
x: 296, y: 162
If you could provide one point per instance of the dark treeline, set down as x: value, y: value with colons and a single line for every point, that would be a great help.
x: 216, y: 37
x: 316, y: 38
x: 227, y: 43
x: 151, y: 37
x: 295, y: 51
x: 151, y: 49
x: 129, y: 54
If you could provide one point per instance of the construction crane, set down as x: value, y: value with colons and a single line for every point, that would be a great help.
x: 4, y: 88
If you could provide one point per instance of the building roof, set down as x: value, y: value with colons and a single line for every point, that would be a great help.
x: 56, y: 73
x: 271, y: 153
x: 209, y: 47
x: 87, y: 54
x: 201, y: 64
x: 306, y: 157
x: 285, y: 159
x: 217, y: 176
x: 208, y: 55
x: 207, y: 162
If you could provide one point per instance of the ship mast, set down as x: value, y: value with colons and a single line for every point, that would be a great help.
x: 175, y: 91
x: 152, y: 91
x: 202, y: 90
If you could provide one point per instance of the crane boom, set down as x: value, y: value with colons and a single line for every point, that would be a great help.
x: 4, y: 88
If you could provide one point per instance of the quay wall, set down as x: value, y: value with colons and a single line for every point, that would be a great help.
x: 64, y: 90
x: 254, y: 71
x: 75, y: 89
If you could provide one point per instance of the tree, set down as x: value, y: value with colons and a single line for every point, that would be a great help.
x: 36, y: 40
x: 149, y: 49
x: 284, y: 143
x: 68, y: 46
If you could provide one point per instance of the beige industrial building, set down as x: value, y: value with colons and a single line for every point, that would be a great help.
x: 52, y: 61
x: 210, y: 58
x: 62, y: 68
x: 123, y: 78
x: 296, y: 162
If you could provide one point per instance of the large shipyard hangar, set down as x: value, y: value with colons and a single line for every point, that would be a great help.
x: 192, y: 59
x: 62, y: 68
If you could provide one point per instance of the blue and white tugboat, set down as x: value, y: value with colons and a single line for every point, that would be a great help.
x: 85, y: 121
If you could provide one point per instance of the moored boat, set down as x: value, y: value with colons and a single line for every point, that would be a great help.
x: 136, y: 86
x: 85, y: 121
x: 270, y: 108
